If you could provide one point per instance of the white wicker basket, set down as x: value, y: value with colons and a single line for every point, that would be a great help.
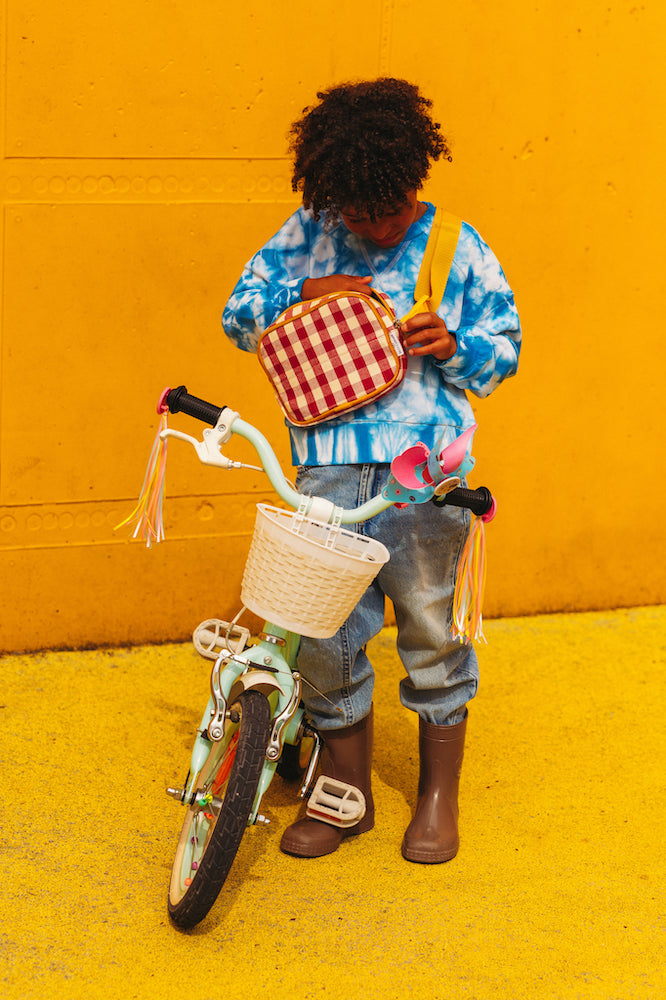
x: 304, y: 575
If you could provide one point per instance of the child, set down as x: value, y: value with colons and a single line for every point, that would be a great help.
x: 361, y: 155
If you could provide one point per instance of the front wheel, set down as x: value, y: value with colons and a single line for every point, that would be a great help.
x: 219, y: 811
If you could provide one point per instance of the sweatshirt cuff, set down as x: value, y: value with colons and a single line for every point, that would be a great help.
x: 473, y: 353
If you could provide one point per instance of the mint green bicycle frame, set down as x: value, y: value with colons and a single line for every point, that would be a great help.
x: 270, y: 665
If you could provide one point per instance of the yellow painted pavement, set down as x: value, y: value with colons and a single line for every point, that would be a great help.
x: 557, y: 893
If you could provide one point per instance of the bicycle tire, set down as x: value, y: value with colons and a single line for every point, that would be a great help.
x: 209, y: 841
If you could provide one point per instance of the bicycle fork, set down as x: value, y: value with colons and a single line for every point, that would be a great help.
x: 268, y: 667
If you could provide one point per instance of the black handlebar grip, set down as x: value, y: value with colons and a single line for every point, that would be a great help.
x: 179, y: 401
x: 479, y: 501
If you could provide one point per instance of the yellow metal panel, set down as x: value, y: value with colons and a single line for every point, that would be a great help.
x: 105, y: 305
x: 90, y: 594
x: 137, y: 179
x: 144, y: 159
x: 556, y: 122
x: 171, y: 79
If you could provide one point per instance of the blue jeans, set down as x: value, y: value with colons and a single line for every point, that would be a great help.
x: 425, y: 543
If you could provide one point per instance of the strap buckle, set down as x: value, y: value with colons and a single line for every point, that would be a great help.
x: 336, y: 802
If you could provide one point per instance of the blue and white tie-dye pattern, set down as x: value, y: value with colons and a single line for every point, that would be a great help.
x: 478, y: 308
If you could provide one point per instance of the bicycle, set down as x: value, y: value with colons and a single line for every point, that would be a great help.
x: 304, y: 574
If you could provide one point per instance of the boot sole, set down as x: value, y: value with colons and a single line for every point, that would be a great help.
x: 428, y: 857
x: 299, y: 850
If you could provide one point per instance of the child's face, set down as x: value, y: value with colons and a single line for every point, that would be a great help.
x: 388, y: 229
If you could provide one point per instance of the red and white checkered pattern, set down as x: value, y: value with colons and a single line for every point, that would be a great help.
x: 332, y: 354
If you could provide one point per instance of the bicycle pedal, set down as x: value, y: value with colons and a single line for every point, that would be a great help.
x: 215, y: 636
x: 336, y: 802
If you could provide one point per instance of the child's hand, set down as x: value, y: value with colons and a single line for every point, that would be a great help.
x: 313, y: 288
x: 426, y: 333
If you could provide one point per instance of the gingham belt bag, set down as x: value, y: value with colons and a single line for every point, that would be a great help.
x: 333, y: 354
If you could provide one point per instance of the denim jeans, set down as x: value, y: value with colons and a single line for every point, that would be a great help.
x: 425, y: 543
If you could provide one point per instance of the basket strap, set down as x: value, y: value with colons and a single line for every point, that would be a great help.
x: 335, y: 521
x: 299, y: 515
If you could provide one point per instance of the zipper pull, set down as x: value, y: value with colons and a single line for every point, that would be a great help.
x: 416, y: 308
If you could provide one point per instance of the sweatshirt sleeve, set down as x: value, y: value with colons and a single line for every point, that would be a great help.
x: 479, y: 309
x: 271, y: 282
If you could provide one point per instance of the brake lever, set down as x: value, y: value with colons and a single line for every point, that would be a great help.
x: 208, y: 450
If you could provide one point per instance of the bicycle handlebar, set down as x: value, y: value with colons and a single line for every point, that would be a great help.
x: 480, y: 501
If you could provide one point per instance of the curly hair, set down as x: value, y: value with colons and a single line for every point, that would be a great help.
x: 364, y: 146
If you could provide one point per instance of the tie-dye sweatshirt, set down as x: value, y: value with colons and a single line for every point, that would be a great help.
x: 477, y: 307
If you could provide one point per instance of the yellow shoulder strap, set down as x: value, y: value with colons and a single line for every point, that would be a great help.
x: 437, y: 259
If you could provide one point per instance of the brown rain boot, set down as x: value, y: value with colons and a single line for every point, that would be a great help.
x: 432, y: 836
x: 347, y: 756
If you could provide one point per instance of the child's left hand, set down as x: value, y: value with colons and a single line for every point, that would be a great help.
x: 426, y: 333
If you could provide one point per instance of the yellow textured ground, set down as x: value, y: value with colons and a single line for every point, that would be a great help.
x: 558, y: 891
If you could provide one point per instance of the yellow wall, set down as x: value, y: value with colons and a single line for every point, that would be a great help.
x: 144, y: 159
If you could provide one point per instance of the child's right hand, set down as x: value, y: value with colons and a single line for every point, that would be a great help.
x: 314, y: 288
